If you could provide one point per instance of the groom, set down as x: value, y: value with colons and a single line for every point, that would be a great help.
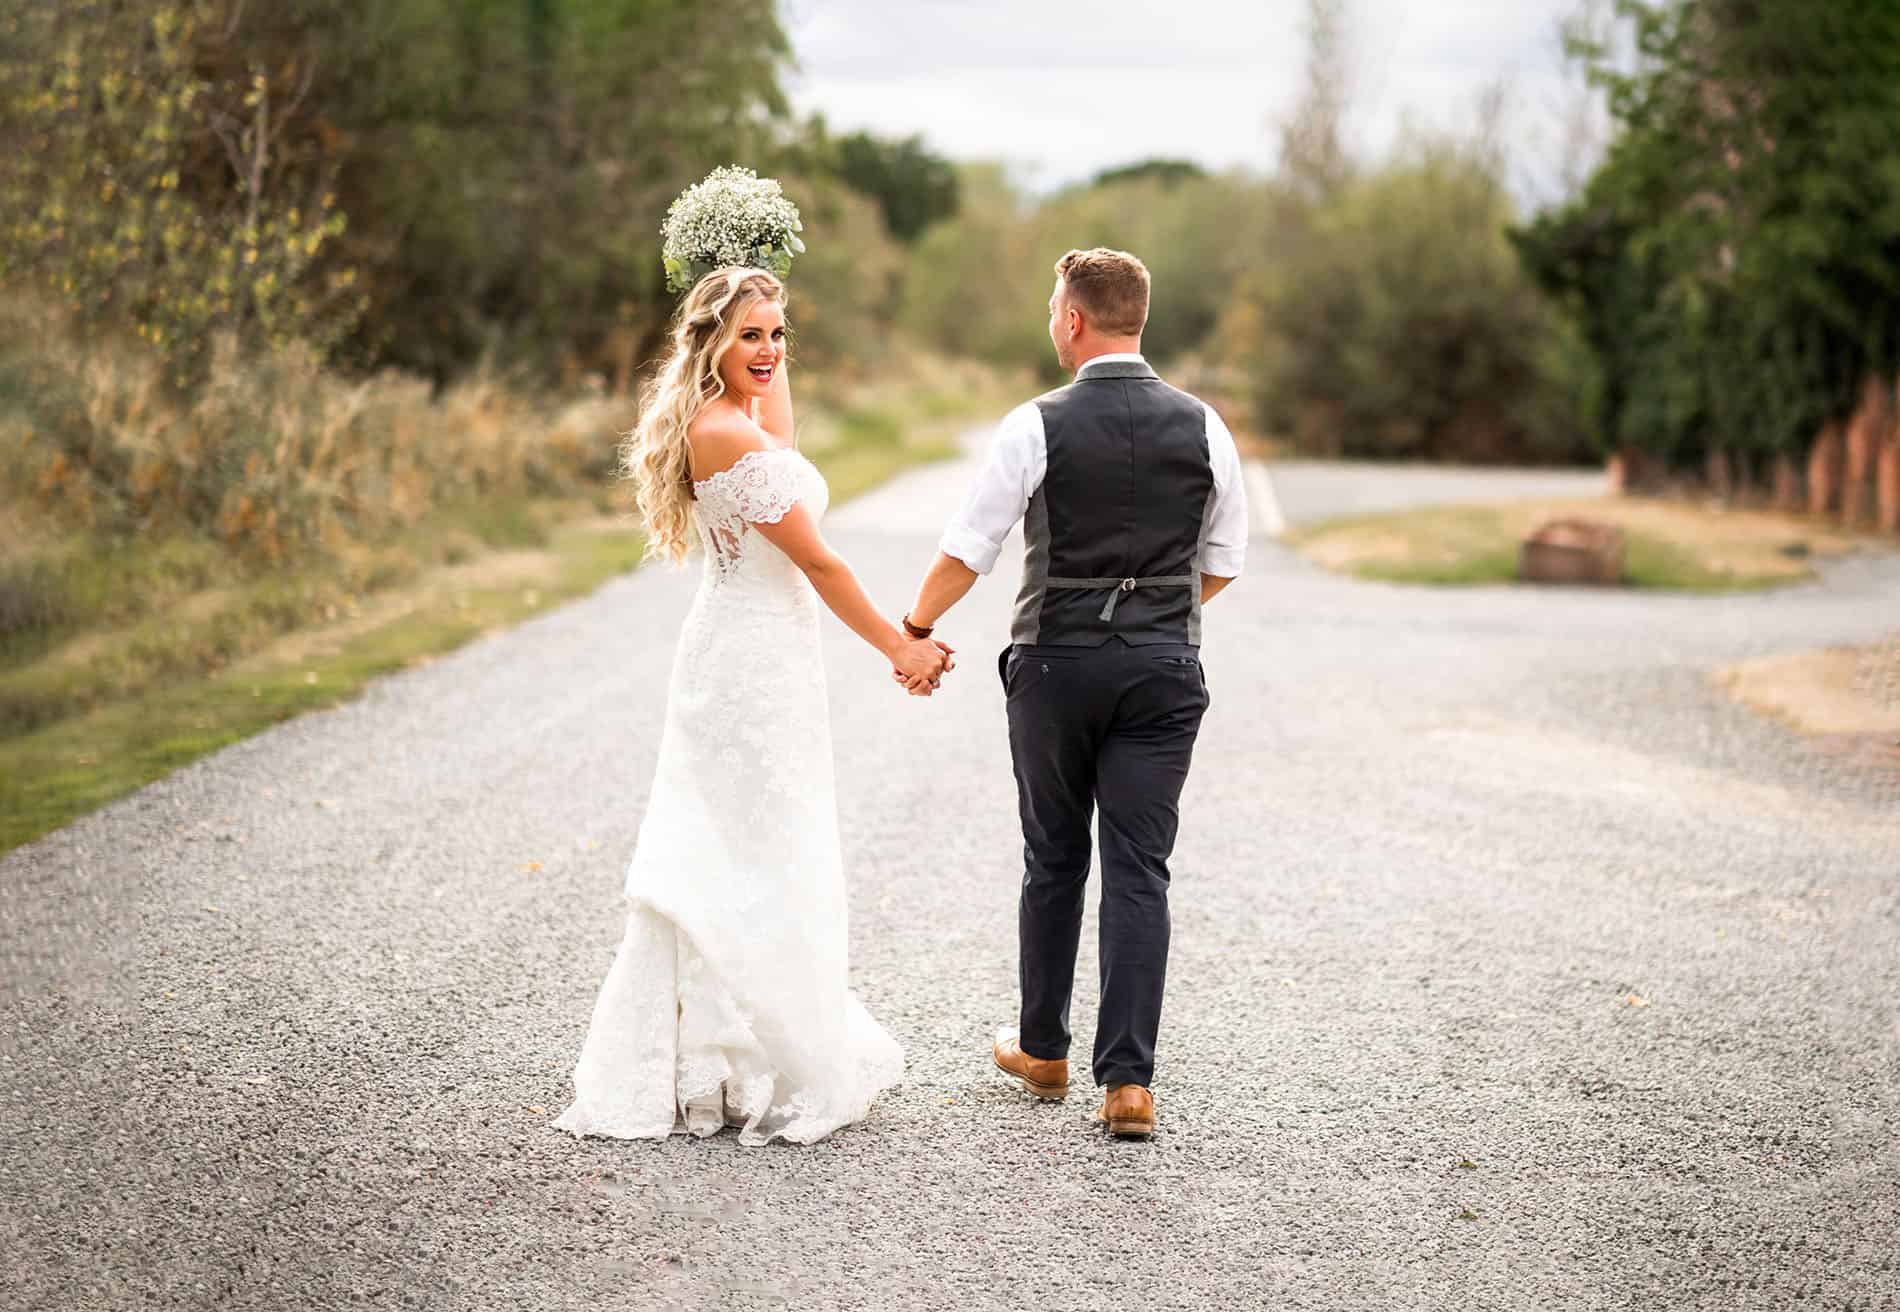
x: 1133, y: 516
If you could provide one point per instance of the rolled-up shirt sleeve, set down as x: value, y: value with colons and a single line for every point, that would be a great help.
x: 1011, y: 473
x: 1224, y: 550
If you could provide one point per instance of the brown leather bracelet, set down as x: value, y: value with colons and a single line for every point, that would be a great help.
x: 917, y: 631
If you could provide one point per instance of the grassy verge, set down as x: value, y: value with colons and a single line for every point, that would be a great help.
x: 1667, y: 545
x: 1852, y: 691
x: 130, y: 659
x: 52, y: 774
x: 862, y: 435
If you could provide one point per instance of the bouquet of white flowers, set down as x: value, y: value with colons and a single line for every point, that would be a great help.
x: 734, y: 217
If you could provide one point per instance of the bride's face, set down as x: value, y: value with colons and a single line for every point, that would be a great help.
x: 755, y: 357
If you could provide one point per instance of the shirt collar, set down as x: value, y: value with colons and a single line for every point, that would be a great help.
x: 1114, y: 357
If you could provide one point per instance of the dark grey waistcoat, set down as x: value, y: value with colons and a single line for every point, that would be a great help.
x: 1114, y: 533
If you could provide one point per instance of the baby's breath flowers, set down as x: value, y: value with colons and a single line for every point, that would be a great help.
x: 734, y: 217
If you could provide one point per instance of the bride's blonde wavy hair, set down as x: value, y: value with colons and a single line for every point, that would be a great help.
x: 655, y: 455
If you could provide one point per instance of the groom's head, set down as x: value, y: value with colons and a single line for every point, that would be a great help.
x: 1099, y: 305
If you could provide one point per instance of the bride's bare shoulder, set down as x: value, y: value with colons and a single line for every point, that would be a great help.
x: 721, y: 437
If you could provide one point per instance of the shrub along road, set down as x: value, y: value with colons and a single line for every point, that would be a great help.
x: 1514, y: 967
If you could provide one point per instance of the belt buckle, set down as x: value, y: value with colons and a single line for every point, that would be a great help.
x: 1127, y: 585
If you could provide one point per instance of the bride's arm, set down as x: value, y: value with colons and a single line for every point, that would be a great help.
x: 797, y: 536
x: 720, y: 439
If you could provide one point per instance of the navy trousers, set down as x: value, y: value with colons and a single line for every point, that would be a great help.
x: 1108, y: 729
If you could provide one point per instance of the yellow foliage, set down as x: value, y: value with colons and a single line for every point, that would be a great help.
x: 272, y: 454
x: 112, y: 113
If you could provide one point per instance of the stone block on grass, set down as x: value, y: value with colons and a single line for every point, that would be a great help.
x: 1572, y: 551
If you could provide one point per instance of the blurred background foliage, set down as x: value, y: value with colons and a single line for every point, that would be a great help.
x: 1733, y: 266
x: 328, y: 314
x: 226, y: 203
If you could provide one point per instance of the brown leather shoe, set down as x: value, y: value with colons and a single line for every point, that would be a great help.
x: 1128, y: 1110
x: 1045, y: 1079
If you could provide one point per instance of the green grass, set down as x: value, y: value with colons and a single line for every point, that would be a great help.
x: 859, y: 469
x: 1479, y: 567
x: 154, y: 614
x: 863, y: 446
x: 56, y: 773
x: 1651, y: 562
x: 178, y: 637
x: 1648, y: 562
x: 1666, y: 547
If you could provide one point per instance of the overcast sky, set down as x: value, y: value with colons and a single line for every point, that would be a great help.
x: 1062, y: 90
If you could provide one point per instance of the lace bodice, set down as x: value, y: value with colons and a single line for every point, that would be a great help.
x: 760, y: 487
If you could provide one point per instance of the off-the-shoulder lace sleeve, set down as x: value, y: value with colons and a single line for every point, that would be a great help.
x: 763, y: 485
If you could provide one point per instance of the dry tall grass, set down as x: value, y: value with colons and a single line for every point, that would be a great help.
x: 273, y: 456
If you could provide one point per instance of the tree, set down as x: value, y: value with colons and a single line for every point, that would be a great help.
x: 1735, y: 262
x: 913, y: 187
x: 504, y: 164
x: 1165, y: 171
x: 1400, y: 325
x: 153, y: 180
x: 511, y: 161
x: 1313, y: 156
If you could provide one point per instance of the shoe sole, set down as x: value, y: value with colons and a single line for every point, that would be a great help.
x: 1124, y: 1127
x: 1047, y: 1092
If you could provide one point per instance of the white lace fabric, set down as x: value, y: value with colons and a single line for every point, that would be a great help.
x: 727, y: 1000
x: 760, y: 487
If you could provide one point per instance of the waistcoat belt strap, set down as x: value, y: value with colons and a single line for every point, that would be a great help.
x: 1121, y: 586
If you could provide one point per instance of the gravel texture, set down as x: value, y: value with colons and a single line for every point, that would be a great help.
x: 1514, y: 967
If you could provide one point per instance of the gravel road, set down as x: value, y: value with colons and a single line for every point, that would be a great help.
x: 1320, y: 489
x: 1514, y: 968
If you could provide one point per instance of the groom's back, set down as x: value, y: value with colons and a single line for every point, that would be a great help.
x: 1126, y: 496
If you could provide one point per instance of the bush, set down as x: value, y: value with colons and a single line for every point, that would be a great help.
x: 1391, y: 320
x: 273, y: 456
x: 1388, y: 318
x: 31, y: 601
x: 106, y: 112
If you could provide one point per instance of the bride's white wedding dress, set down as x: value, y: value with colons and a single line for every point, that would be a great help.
x: 727, y: 1002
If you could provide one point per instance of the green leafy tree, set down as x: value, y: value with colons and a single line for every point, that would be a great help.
x: 913, y: 186
x: 1158, y: 170
x: 971, y: 286
x: 151, y: 186
x: 1396, y: 323
x: 1734, y: 265
x: 507, y: 163
x: 979, y: 283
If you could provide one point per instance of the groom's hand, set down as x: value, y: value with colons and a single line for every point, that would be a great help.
x: 920, y: 664
x: 916, y: 685
x: 920, y: 687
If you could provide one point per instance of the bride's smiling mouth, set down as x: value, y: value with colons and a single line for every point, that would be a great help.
x: 762, y: 372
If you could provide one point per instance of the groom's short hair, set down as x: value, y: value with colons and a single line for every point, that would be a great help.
x: 1109, y: 287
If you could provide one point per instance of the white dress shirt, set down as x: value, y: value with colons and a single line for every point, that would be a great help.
x: 1019, y: 457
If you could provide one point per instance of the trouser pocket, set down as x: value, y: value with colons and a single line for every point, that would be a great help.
x: 1022, y: 671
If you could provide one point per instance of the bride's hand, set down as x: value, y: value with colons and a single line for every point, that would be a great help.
x: 917, y: 686
x: 920, y: 664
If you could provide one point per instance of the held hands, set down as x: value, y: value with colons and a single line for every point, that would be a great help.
x: 921, y: 663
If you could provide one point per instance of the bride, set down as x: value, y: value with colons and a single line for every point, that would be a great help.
x: 726, y: 1003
